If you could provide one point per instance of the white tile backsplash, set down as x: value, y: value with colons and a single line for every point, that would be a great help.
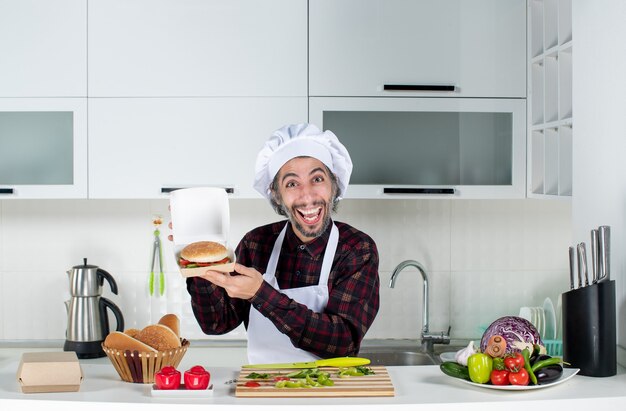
x: 484, y: 259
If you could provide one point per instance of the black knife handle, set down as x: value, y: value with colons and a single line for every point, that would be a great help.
x: 6, y: 191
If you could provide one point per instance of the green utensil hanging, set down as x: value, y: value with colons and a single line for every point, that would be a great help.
x: 157, y: 253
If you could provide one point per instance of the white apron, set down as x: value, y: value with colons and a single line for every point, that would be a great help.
x: 265, y: 343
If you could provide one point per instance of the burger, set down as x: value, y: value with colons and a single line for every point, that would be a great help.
x: 203, y: 254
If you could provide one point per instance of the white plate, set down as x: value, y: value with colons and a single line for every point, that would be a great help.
x: 448, y: 356
x: 550, y: 331
x: 181, y: 392
x: 567, y: 374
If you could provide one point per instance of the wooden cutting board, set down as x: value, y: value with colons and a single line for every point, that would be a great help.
x: 376, y: 385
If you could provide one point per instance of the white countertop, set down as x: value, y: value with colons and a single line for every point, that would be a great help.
x: 417, y: 388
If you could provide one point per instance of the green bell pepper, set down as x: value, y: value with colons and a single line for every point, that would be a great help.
x: 479, y: 366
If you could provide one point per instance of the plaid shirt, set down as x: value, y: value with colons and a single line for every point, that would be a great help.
x: 352, y: 284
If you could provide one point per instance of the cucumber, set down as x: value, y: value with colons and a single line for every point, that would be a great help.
x: 454, y: 369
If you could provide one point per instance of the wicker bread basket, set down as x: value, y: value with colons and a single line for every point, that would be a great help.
x: 140, y: 367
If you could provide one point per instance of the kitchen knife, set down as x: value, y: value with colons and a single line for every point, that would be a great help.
x: 594, y: 256
x: 328, y: 362
x: 604, y: 253
x: 579, y: 250
x: 583, y: 262
x: 572, y: 264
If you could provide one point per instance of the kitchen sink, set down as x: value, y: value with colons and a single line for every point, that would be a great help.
x: 401, y: 357
x: 394, y: 355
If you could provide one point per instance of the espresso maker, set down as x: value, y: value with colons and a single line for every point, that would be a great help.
x: 87, y: 319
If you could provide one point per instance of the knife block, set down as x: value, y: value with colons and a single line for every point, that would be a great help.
x: 589, y: 329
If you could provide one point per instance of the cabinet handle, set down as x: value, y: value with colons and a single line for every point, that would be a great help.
x: 6, y: 191
x: 164, y: 190
x: 391, y: 190
x: 419, y: 87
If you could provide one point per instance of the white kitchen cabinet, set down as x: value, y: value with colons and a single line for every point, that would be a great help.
x: 43, y: 148
x: 429, y: 147
x: 550, y: 123
x: 478, y: 47
x: 141, y: 147
x: 43, y: 48
x: 196, y: 48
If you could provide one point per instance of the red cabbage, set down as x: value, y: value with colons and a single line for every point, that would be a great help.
x: 513, y: 329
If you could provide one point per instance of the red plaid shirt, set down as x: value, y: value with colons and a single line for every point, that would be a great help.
x: 353, y: 290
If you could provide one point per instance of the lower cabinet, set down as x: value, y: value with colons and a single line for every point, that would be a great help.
x: 145, y: 147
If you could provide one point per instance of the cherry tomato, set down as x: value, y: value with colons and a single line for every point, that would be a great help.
x: 282, y: 378
x: 197, y: 378
x: 252, y: 384
x: 519, y: 378
x: 499, y: 377
x: 168, y: 378
x: 514, y: 362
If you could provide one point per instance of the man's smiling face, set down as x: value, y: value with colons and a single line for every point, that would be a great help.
x: 305, y: 191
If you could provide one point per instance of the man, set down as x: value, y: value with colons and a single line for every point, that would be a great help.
x: 306, y: 288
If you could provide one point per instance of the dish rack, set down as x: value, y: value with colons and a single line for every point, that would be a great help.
x: 554, y: 347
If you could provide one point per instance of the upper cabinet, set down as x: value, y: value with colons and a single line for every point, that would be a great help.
x: 145, y: 147
x: 43, y: 104
x: 550, y: 117
x: 452, y: 48
x: 191, y: 48
x: 43, y: 148
x: 43, y: 48
x: 429, y: 147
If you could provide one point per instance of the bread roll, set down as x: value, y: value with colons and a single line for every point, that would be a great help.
x: 159, y: 337
x: 120, y: 341
x: 131, y: 331
x: 171, y: 321
x: 204, y: 252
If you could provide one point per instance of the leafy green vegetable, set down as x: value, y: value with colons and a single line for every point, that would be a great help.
x: 354, y: 371
x: 257, y: 376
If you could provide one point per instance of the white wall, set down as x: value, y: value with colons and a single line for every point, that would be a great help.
x: 485, y: 259
x: 599, y: 107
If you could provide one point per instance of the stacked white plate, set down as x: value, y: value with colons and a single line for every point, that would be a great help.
x: 543, y: 318
x: 536, y: 316
x: 550, y: 332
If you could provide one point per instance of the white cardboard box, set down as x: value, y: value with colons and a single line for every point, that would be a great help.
x: 49, y: 372
x: 200, y: 214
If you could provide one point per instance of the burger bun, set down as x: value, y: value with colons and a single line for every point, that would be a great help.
x: 117, y: 340
x: 204, y: 252
x: 159, y: 337
x: 172, y: 322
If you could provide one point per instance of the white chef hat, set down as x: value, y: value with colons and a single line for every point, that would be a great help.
x: 297, y: 140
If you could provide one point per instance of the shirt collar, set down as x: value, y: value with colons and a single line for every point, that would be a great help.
x: 314, y: 248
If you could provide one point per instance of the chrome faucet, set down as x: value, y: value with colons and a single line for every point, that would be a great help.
x: 428, y: 339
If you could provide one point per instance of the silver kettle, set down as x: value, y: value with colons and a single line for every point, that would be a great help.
x: 87, y: 319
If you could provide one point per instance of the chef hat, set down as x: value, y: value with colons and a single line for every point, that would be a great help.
x: 297, y: 140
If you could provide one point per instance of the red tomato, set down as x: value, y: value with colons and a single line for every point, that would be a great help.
x: 281, y: 378
x: 222, y: 261
x: 514, y: 362
x: 197, y: 378
x: 499, y: 377
x: 167, y: 379
x: 252, y: 384
x: 519, y: 378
